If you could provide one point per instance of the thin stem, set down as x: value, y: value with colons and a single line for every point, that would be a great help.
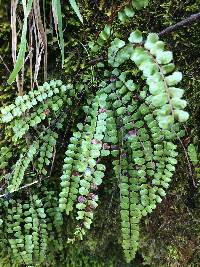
x: 4, y: 63
x: 23, y: 187
x: 186, y: 22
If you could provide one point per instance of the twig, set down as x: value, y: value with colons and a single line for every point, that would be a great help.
x: 52, y: 165
x: 4, y: 63
x: 96, y: 60
x: 88, y: 54
x: 23, y: 187
x: 193, y: 18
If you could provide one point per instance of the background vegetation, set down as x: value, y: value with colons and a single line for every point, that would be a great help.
x: 170, y: 235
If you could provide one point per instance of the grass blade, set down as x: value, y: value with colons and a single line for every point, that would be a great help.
x: 76, y: 9
x: 56, y: 8
x: 22, y: 48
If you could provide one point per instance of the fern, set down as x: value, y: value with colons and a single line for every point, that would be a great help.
x: 130, y: 119
x: 129, y: 10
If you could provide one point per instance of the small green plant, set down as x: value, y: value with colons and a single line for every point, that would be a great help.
x: 194, y: 158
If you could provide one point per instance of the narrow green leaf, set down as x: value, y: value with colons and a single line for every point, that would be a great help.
x: 56, y: 8
x: 76, y: 9
x: 22, y: 48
